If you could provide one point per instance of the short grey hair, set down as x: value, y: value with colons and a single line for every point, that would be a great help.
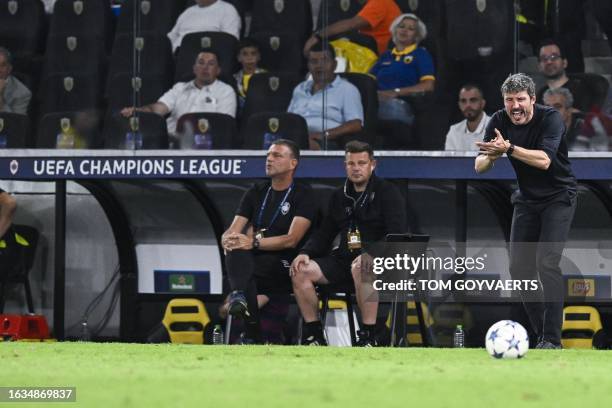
x: 7, y: 55
x: 569, y: 98
x: 421, y: 28
x: 517, y: 83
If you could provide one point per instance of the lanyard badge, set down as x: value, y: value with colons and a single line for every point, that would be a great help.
x: 353, y: 240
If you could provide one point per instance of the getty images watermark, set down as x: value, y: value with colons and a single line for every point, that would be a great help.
x: 484, y: 272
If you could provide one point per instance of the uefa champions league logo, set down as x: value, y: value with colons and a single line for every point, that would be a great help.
x: 14, y: 167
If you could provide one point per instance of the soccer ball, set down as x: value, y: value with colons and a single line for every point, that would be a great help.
x: 507, y: 339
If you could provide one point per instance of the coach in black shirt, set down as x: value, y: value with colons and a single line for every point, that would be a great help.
x: 364, y: 210
x: 271, y: 222
x: 532, y: 137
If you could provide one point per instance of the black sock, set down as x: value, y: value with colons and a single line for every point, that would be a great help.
x: 313, y: 329
x: 252, y: 330
x: 370, y: 328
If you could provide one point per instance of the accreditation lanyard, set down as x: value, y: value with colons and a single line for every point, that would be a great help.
x: 263, y: 207
x: 358, y: 203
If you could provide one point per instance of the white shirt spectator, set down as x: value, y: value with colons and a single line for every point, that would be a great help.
x: 186, y: 97
x: 219, y: 16
x: 460, y: 138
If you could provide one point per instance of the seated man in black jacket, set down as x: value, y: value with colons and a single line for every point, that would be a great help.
x: 365, y: 209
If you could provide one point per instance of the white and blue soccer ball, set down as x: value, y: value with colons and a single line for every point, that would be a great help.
x: 507, y: 339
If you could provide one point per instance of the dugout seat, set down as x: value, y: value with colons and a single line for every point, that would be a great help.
x: 14, y: 130
x: 276, y: 125
x: 368, y: 90
x: 75, y: 53
x: 186, y: 320
x: 70, y: 92
x: 219, y: 127
x: 580, y: 325
x: 16, y: 259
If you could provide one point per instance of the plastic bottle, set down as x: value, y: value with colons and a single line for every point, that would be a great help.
x: 66, y: 136
x: 133, y: 138
x: 202, y: 141
x: 85, y: 334
x: 459, y: 337
x: 217, y: 335
x: 3, y: 141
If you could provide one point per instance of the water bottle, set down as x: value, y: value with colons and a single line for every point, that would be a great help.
x: 85, y: 334
x: 3, y: 141
x: 133, y: 140
x: 459, y: 337
x: 202, y: 141
x: 65, y: 138
x: 217, y: 335
x: 268, y: 139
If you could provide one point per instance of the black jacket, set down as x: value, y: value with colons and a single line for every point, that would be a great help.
x: 383, y: 212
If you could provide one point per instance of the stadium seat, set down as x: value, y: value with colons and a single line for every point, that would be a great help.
x: 126, y: 90
x: 473, y: 33
x: 81, y: 127
x: 73, y: 17
x: 75, y: 53
x: 580, y: 325
x: 241, y: 6
x: 337, y: 10
x: 282, y: 16
x: 14, y: 130
x: 369, y: 100
x: 22, y: 26
x: 221, y: 128
x: 70, y: 92
x: 272, y: 126
x: 16, y: 260
x: 151, y: 125
x: 153, y: 56
x: 158, y: 16
x: 280, y: 51
x: 597, y: 89
x: 223, y: 44
x: 186, y: 321
x: 269, y: 92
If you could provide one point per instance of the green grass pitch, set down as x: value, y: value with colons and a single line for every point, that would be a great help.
x: 137, y: 375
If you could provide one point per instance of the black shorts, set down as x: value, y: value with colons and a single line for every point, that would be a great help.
x: 335, y: 269
x: 272, y: 272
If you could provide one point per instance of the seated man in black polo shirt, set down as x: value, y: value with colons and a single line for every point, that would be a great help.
x: 270, y: 223
x: 364, y: 210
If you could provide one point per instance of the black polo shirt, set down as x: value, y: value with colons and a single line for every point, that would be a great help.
x: 544, y: 132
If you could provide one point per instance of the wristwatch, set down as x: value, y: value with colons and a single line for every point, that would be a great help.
x: 397, y: 91
x: 326, y: 134
x: 255, y: 243
x: 510, y: 150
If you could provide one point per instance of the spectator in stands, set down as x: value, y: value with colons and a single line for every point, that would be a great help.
x: 206, y: 15
x: 406, y: 69
x: 464, y: 135
x: 7, y: 211
x: 562, y: 100
x: 248, y: 57
x: 603, y: 13
x: 204, y: 94
x: 271, y: 221
x: 364, y: 210
x: 14, y: 96
x: 552, y: 63
x: 342, y: 113
x: 374, y: 20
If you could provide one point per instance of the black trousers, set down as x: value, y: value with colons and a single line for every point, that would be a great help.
x: 258, y: 272
x: 537, y: 239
